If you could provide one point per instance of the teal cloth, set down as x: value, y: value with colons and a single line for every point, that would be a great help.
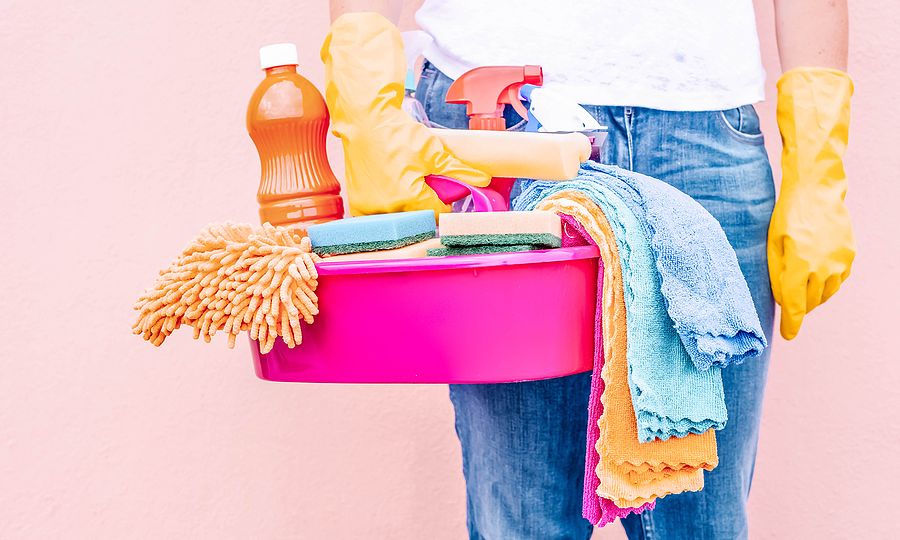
x: 671, y: 397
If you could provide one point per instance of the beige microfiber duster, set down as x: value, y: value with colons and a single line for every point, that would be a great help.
x: 235, y: 278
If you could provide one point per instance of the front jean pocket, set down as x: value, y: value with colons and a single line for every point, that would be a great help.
x: 742, y: 123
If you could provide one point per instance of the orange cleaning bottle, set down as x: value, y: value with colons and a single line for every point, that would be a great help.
x: 288, y: 121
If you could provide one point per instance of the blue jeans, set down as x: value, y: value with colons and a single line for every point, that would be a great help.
x: 523, y: 444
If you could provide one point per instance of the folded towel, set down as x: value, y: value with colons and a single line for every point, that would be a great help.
x: 706, y: 294
x: 663, y: 467
x: 671, y: 396
x: 598, y: 510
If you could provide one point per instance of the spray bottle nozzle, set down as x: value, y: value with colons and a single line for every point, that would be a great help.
x: 486, y: 90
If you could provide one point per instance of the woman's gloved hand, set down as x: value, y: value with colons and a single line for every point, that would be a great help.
x: 811, y: 245
x: 387, y: 153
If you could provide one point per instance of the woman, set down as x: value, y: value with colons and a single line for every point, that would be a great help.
x: 675, y: 81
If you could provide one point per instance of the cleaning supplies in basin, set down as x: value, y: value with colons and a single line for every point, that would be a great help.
x: 371, y: 233
x: 501, y: 228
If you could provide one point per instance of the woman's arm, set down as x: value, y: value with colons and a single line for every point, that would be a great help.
x: 811, y: 245
x: 390, y: 9
x: 812, y: 33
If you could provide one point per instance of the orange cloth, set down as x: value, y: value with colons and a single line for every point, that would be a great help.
x: 631, y: 473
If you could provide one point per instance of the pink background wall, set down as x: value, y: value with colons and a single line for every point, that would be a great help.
x: 122, y: 135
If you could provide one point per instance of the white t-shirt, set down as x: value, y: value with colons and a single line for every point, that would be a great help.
x: 683, y: 55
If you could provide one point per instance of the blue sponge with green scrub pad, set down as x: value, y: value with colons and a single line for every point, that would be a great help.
x: 535, y: 228
x: 372, y: 233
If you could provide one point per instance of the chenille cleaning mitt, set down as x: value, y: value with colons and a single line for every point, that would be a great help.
x: 235, y: 278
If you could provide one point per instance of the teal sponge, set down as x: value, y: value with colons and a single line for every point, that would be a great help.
x: 372, y: 233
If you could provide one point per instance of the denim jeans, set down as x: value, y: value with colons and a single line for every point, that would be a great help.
x: 523, y: 443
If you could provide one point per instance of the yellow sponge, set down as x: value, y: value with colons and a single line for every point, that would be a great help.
x: 501, y: 229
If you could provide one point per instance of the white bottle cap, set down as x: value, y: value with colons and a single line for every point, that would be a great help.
x: 278, y: 54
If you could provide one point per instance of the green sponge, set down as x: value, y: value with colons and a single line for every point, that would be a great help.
x: 342, y: 249
x: 535, y: 228
x: 533, y: 239
x: 479, y: 250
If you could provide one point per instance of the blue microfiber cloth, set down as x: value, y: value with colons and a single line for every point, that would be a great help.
x: 706, y: 293
x: 670, y: 396
x: 372, y: 233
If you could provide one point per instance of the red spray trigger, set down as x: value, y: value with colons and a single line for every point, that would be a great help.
x: 485, y: 90
x: 529, y: 73
x: 512, y: 98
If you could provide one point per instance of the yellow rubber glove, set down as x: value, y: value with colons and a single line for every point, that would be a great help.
x: 386, y: 152
x: 811, y: 244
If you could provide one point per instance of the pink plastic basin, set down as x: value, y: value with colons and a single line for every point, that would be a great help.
x: 470, y: 319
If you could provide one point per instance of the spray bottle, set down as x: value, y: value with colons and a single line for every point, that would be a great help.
x: 486, y: 91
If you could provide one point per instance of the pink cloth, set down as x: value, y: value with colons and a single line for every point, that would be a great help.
x: 597, y: 510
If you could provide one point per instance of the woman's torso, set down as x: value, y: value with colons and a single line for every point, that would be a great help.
x: 663, y: 54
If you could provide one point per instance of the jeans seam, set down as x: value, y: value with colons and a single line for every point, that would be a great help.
x: 647, y: 526
x: 629, y: 118
x: 428, y: 94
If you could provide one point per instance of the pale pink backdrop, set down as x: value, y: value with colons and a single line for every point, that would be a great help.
x: 121, y: 135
